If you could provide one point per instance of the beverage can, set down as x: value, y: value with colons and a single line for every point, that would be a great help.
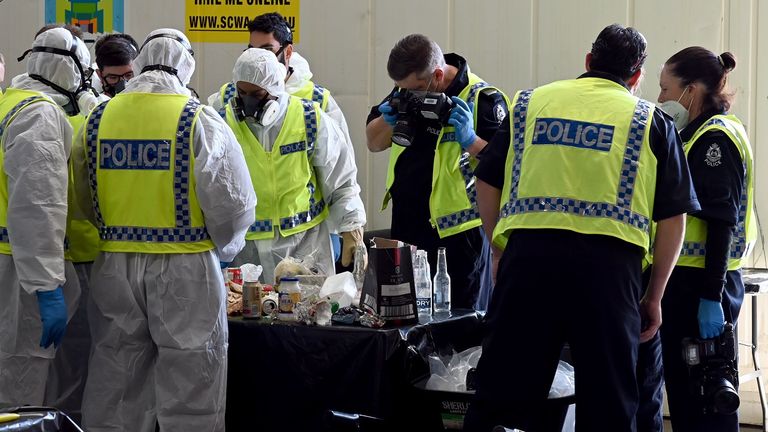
x: 252, y: 300
x: 235, y: 275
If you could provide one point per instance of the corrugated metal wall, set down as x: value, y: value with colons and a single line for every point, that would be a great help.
x: 513, y: 44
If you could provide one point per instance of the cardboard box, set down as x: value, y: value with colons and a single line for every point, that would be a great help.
x: 389, y: 290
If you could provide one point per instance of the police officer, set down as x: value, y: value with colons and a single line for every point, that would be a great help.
x: 430, y: 182
x: 36, y: 137
x: 271, y: 31
x: 69, y: 369
x: 166, y: 184
x: 589, y: 166
x: 295, y: 155
x: 706, y: 289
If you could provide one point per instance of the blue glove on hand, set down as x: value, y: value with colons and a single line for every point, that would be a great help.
x: 224, y: 264
x: 53, y: 314
x: 711, y: 318
x: 461, y: 118
x: 336, y: 241
x: 388, y: 113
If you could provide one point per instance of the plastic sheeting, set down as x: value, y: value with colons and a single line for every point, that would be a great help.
x: 39, y: 419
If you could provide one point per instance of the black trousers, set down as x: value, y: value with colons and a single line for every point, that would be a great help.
x: 680, y: 311
x: 650, y: 382
x: 556, y: 286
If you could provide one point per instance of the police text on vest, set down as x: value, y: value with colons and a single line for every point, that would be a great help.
x: 135, y: 154
x: 556, y: 131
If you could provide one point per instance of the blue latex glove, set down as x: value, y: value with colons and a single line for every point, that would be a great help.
x: 336, y: 241
x: 388, y: 113
x: 461, y: 118
x: 53, y: 314
x: 224, y: 264
x: 711, y: 318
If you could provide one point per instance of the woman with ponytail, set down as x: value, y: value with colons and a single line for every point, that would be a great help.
x: 705, y: 291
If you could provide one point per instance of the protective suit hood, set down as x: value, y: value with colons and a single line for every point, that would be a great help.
x: 56, y: 68
x: 301, y: 73
x: 170, y: 51
x: 260, y: 67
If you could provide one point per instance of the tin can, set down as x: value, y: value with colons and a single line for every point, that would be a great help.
x: 269, y: 304
x: 252, y: 300
x: 235, y: 275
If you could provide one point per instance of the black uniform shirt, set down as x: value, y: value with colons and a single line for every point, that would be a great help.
x: 718, y: 174
x: 717, y: 171
x: 674, y: 190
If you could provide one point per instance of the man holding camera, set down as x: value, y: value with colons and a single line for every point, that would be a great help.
x: 440, y: 116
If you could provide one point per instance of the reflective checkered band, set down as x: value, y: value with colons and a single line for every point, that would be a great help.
x: 739, y: 241
x: 310, y: 123
x: 92, y: 148
x: 157, y: 235
x: 471, y: 213
x: 12, y: 112
x: 318, y: 94
x: 473, y: 90
x: 632, y: 154
x: 468, y: 214
x: 315, y: 208
x: 4, y: 235
x: 182, y: 163
x: 183, y: 232
x: 261, y: 226
x: 519, y: 116
x: 620, y: 211
x: 229, y: 93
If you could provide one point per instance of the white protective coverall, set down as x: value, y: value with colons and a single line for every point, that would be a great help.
x: 37, y: 145
x: 69, y: 369
x: 334, y: 167
x: 295, y: 82
x: 158, y: 321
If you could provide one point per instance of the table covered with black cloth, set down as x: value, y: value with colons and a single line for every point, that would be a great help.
x: 285, y: 376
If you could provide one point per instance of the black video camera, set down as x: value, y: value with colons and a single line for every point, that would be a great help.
x: 411, y: 104
x: 713, y: 373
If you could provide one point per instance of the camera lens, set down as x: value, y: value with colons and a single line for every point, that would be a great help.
x: 724, y: 397
x: 402, y: 133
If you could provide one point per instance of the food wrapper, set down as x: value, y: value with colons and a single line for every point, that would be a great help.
x: 234, y: 298
x: 289, y: 267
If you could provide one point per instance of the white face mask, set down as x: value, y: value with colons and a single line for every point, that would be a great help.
x: 677, y: 111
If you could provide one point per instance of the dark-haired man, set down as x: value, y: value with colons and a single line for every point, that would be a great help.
x: 431, y: 182
x: 574, y: 178
x: 114, y: 57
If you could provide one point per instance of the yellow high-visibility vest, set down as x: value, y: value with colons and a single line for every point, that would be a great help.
x: 579, y: 160
x: 289, y: 196
x: 141, y: 170
x: 694, y: 244
x: 11, y: 103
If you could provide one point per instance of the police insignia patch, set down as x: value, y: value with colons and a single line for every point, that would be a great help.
x: 714, y: 155
x: 499, y: 111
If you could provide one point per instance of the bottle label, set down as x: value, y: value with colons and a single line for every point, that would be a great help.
x: 423, y: 303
